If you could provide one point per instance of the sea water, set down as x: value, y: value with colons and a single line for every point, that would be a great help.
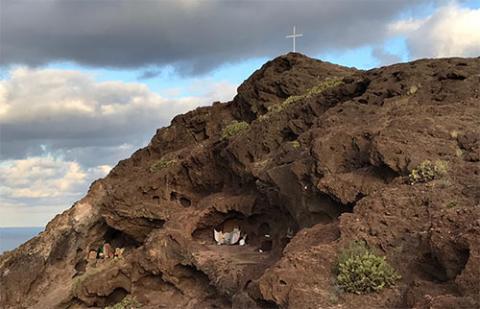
x: 12, y: 237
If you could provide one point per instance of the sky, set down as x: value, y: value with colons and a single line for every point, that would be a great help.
x: 83, y: 84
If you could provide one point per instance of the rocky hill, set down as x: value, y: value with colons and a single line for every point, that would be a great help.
x: 308, y: 158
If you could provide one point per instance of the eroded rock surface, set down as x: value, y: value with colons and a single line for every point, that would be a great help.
x: 304, y: 180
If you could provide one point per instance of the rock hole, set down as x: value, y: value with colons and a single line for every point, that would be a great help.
x: 216, y: 220
x: 289, y: 135
x: 250, y: 157
x: 116, y: 296
x: 185, y: 202
x: 154, y: 222
x: 267, y: 304
x: 118, y: 239
x: 81, y: 266
x: 282, y: 282
x: 432, y: 269
x: 267, y: 230
x: 461, y: 258
x: 455, y: 76
x: 173, y: 196
x: 156, y: 199
x: 192, y: 273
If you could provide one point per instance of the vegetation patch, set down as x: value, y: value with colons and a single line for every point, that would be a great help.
x: 295, y: 144
x: 127, y: 302
x: 452, y: 204
x: 412, y: 90
x: 234, y: 128
x: 454, y: 134
x: 427, y: 171
x: 324, y: 85
x: 161, y: 164
x: 361, y: 271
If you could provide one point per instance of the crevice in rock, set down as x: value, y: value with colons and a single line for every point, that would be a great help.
x: 432, y: 269
x: 118, y: 239
x: 116, y: 296
x: 81, y: 266
x: 288, y: 134
x: 183, y: 200
x: 191, y: 272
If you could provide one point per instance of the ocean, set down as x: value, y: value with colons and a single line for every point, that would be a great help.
x: 12, y: 237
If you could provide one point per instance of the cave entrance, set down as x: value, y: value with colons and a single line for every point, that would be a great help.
x: 263, y: 232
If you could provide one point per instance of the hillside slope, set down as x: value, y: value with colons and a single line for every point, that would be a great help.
x: 312, y: 171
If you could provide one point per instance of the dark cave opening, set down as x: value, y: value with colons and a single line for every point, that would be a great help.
x: 181, y: 199
x: 119, y: 239
x: 267, y: 231
x: 116, y: 296
x: 434, y: 270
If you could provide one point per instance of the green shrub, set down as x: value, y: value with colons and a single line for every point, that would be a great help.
x: 324, y: 85
x: 360, y: 271
x: 263, y: 117
x: 161, y: 164
x: 452, y: 204
x: 427, y: 171
x: 412, y: 90
x: 295, y: 144
x: 234, y: 128
x: 127, y: 302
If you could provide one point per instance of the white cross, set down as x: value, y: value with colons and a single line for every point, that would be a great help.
x: 293, y: 36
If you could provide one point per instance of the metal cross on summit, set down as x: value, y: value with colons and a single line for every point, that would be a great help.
x: 293, y: 36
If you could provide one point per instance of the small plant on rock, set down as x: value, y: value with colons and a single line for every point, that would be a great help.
x: 361, y: 271
x: 295, y: 144
x: 324, y: 85
x: 452, y: 204
x: 128, y: 302
x: 428, y: 170
x: 161, y: 164
x: 234, y: 128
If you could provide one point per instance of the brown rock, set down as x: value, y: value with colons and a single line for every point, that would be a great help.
x: 331, y: 167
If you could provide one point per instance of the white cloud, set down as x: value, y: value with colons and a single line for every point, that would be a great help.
x: 44, y: 177
x: 70, y: 109
x: 451, y: 31
x: 72, y: 101
x: 43, y: 186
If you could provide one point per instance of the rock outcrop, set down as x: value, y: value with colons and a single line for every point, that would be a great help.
x: 302, y: 181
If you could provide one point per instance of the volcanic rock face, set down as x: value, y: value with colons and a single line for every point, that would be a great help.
x: 303, y: 181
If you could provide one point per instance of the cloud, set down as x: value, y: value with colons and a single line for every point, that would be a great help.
x: 42, y: 177
x: 448, y: 32
x: 194, y: 36
x: 33, y: 190
x: 68, y: 110
x: 385, y: 57
x: 148, y: 74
